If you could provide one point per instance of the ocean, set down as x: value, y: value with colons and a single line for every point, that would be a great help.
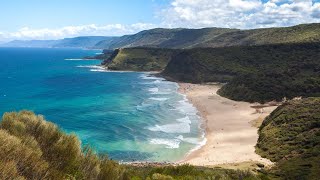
x: 131, y: 116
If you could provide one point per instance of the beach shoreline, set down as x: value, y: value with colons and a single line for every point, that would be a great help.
x: 229, y: 131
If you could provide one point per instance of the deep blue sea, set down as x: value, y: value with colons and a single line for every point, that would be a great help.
x: 131, y: 116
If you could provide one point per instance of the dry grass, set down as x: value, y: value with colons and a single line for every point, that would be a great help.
x: 32, y: 148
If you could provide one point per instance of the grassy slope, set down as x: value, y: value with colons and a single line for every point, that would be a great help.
x: 214, y: 37
x: 32, y: 148
x: 141, y: 59
x: 255, y: 73
x: 296, y: 34
x: 290, y: 136
x: 144, y: 38
x: 84, y: 41
x: 187, y: 172
x: 164, y: 38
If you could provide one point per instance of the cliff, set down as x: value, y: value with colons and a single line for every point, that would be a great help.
x: 140, y: 59
x: 253, y: 73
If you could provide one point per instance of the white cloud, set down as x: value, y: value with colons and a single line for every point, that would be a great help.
x: 244, y: 5
x: 244, y: 14
x: 240, y: 13
x: 72, y: 31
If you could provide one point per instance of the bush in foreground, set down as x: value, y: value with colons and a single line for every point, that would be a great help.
x: 32, y: 148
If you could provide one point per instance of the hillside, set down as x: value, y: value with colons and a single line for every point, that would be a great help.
x: 303, y: 33
x: 84, y: 41
x: 254, y: 73
x: 139, y: 59
x: 30, y: 43
x: 32, y: 148
x: 164, y: 38
x: 214, y: 37
x: 290, y: 136
x: 77, y: 42
x: 186, y: 38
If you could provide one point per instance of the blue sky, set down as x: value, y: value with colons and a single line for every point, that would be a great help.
x: 54, y: 19
x: 58, y: 13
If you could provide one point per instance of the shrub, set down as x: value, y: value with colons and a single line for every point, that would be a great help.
x: 33, y: 148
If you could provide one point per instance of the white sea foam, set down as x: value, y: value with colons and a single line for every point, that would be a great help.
x: 156, y: 82
x: 180, y: 137
x: 158, y: 99
x: 199, y: 145
x: 191, y: 140
x: 194, y: 141
x: 169, y: 143
x: 75, y: 59
x: 148, y: 76
x: 159, y: 91
x: 153, y: 90
x: 99, y: 70
x: 181, y: 126
x: 143, y: 106
x: 94, y: 68
x: 186, y: 108
x: 91, y: 66
x: 162, y: 93
x: 172, y: 128
x: 152, y: 82
x: 184, y: 120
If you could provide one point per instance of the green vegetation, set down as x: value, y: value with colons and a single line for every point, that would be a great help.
x: 303, y: 33
x: 164, y: 38
x: 290, y: 136
x: 187, y: 38
x: 106, y: 56
x: 254, y: 73
x: 259, y: 65
x: 140, y: 59
x: 187, y: 172
x: 214, y: 37
x: 32, y: 148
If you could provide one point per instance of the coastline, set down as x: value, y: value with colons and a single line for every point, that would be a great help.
x: 229, y: 131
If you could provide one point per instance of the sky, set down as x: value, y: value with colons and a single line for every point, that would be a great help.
x: 56, y: 19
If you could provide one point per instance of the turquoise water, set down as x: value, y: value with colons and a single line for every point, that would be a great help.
x: 131, y: 116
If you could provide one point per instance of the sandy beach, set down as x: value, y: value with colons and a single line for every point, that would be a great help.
x: 230, y: 131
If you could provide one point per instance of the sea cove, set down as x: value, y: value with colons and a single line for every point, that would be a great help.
x: 131, y: 116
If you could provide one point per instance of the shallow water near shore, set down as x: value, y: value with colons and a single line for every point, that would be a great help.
x: 129, y: 115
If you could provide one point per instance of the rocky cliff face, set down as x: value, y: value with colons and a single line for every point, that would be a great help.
x: 108, y: 56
